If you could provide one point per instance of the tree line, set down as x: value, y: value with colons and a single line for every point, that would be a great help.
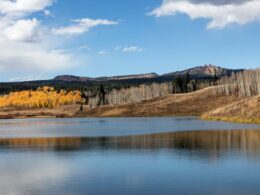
x: 132, y: 94
x: 184, y: 83
x: 96, y: 94
x: 44, y: 97
x: 242, y: 84
x: 135, y: 94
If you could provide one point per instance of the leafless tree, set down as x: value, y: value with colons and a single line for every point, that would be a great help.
x: 242, y: 84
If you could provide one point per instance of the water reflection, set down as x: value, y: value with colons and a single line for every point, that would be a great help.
x: 96, y: 127
x: 203, y: 162
x: 212, y: 142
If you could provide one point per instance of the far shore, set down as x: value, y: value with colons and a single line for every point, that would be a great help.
x: 225, y: 119
x: 203, y: 104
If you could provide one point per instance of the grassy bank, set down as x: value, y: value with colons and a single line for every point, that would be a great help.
x: 243, y: 111
x: 188, y: 104
x: 204, y: 103
x: 66, y: 111
x: 232, y: 119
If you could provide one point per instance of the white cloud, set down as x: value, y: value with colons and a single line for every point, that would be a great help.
x: 118, y: 48
x: 133, y: 49
x: 14, y: 20
x: 220, y: 15
x: 20, y: 40
x: 220, y: 2
x: 27, y: 45
x: 102, y: 52
x: 35, y: 170
x: 28, y: 77
x: 18, y: 7
x: 73, y: 49
x: 81, y: 26
x: 23, y: 30
x: 47, y: 12
x: 24, y: 57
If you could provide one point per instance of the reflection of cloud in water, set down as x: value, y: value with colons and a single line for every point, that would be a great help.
x: 121, y: 165
x: 29, y: 171
x: 102, y: 127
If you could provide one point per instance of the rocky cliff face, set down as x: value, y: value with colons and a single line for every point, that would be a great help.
x: 204, y: 71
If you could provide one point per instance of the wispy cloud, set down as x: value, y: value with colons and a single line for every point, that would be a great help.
x: 102, y: 52
x: 221, y: 13
x: 219, y: 2
x: 132, y: 49
x: 47, y: 13
x: 27, y: 44
x: 73, y: 49
x: 82, y: 26
x: 28, y: 78
x: 118, y: 48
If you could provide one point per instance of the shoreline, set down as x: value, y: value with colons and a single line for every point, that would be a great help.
x: 77, y: 115
x: 232, y: 119
x: 204, y: 104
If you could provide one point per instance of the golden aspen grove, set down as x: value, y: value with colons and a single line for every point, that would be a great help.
x: 43, y: 97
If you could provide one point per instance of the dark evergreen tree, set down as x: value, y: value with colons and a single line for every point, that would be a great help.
x: 102, y: 96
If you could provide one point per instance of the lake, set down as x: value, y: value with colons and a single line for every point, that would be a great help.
x: 169, y: 155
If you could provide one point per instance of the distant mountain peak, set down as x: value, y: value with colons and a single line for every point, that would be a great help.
x: 213, y: 70
x: 204, y: 71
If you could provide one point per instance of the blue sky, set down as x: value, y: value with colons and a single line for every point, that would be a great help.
x: 43, y: 38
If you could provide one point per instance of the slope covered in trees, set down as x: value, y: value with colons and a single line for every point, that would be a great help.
x: 187, y: 104
x: 234, y: 98
x: 121, y: 89
x: 139, y: 93
x: 242, y: 84
x: 45, y: 97
x: 201, y: 74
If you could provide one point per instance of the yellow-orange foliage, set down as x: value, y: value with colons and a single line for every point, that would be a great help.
x: 44, y: 97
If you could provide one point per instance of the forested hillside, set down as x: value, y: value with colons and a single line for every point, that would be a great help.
x: 115, y: 90
x: 45, y: 97
x: 242, y: 84
x: 205, y: 73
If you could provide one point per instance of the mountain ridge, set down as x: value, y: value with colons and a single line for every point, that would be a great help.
x: 105, y: 78
x: 206, y: 71
x: 71, y: 82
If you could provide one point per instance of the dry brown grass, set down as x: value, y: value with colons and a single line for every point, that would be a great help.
x: 203, y: 103
x: 246, y: 110
x: 190, y: 104
x: 62, y: 111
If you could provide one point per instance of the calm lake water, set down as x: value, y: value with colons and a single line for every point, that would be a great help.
x: 180, y: 155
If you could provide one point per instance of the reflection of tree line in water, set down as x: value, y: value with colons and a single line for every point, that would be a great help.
x: 243, y: 140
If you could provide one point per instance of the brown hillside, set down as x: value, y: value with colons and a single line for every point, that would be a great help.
x: 247, y: 110
x: 190, y: 104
